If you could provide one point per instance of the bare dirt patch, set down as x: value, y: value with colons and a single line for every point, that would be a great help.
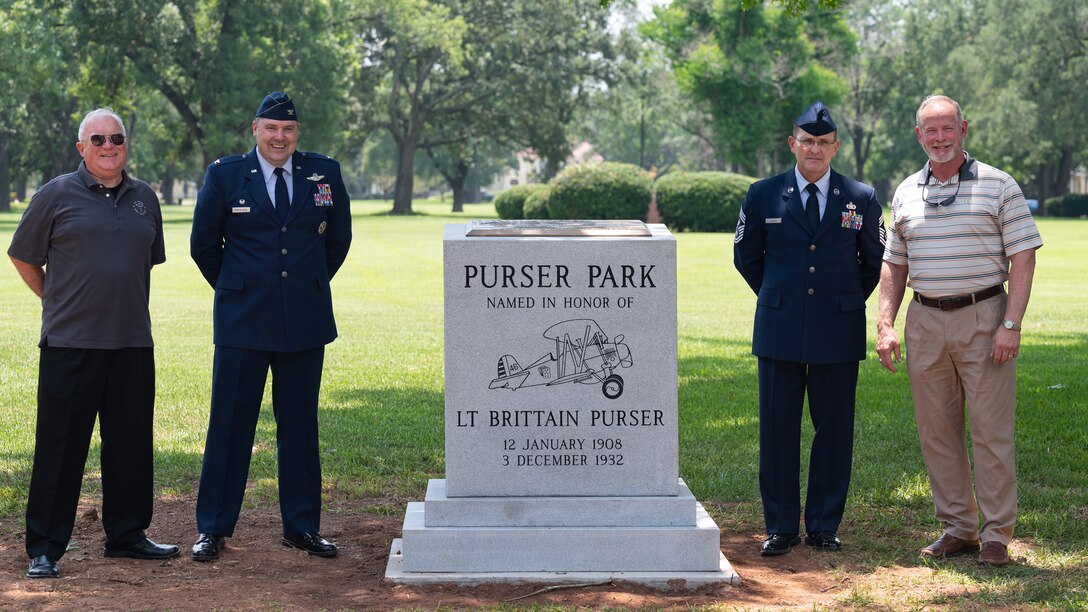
x: 256, y: 571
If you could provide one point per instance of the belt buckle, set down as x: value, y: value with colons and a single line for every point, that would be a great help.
x: 947, y: 304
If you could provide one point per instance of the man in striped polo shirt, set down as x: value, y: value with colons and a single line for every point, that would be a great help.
x: 960, y: 229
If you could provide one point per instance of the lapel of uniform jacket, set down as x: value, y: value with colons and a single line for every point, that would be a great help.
x: 792, y: 196
x: 255, y: 185
x: 303, y: 187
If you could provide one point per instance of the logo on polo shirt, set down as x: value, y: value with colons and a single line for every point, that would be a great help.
x: 139, y: 207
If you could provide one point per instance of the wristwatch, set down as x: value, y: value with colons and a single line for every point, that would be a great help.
x: 1007, y: 324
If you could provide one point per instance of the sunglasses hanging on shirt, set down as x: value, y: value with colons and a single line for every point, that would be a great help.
x: 967, y: 171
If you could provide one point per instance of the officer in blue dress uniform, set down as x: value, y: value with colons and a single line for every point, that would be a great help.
x: 809, y: 244
x: 270, y: 229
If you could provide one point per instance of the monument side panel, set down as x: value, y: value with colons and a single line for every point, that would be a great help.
x: 560, y: 365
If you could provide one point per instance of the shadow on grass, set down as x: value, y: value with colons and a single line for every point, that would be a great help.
x: 387, y: 440
x: 719, y: 421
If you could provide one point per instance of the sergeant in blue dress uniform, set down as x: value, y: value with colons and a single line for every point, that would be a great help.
x: 809, y: 243
x: 271, y: 228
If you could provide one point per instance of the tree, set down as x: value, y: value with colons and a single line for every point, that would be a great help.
x: 452, y: 72
x: 1030, y: 100
x: 752, y: 71
x: 565, y: 55
x: 40, y: 114
x: 213, y: 60
x: 410, y: 70
x: 871, y: 75
x: 793, y: 7
x: 638, y: 120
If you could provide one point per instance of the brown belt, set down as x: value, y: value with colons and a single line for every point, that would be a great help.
x: 959, y: 301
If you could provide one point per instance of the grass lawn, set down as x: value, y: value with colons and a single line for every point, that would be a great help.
x: 382, y: 406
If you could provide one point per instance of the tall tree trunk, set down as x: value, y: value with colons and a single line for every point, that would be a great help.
x: 1044, y: 182
x: 20, y: 187
x: 641, y: 136
x: 402, y: 191
x: 457, y: 184
x: 1065, y: 172
x: 5, y: 173
x: 407, y: 144
x: 168, y: 184
x: 857, y: 143
x: 472, y: 186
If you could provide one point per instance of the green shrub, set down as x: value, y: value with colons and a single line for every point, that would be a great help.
x: 600, y: 191
x: 536, y: 203
x: 701, y: 201
x: 1068, y: 205
x: 510, y: 204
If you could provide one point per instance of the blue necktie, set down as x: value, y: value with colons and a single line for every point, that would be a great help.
x: 283, y: 201
x: 812, y: 206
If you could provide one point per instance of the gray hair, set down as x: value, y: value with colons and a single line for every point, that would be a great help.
x: 938, y: 98
x: 97, y: 113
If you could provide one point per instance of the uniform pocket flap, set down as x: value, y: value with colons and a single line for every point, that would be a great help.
x: 234, y: 282
x: 851, y: 301
x: 770, y: 298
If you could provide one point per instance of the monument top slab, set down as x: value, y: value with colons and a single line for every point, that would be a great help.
x: 546, y: 227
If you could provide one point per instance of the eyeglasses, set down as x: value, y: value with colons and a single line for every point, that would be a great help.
x: 98, y: 139
x: 809, y: 143
x: 945, y: 201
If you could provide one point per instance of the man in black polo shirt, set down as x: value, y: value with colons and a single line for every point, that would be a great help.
x: 85, y: 246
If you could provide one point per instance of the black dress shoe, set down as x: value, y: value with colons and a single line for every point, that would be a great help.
x: 779, y: 544
x: 207, y: 547
x: 312, y: 543
x: 43, y: 566
x: 824, y: 540
x: 144, y: 549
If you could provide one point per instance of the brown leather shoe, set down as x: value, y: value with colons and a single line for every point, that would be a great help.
x: 994, y: 553
x: 947, y: 545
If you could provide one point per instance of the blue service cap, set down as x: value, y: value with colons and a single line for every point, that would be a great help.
x: 277, y: 105
x: 816, y: 120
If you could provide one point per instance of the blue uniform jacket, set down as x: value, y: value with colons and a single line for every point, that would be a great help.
x: 811, y: 287
x: 271, y: 279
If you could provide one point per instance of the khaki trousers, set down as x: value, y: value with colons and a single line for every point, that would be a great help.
x: 949, y: 361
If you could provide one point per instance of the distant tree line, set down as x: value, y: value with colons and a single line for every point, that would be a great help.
x: 465, y: 82
x: 447, y: 91
x: 720, y: 84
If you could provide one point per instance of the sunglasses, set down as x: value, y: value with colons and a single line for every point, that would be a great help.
x: 943, y: 201
x: 99, y: 139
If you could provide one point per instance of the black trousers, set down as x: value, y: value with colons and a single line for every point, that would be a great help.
x: 831, y: 390
x: 74, y: 387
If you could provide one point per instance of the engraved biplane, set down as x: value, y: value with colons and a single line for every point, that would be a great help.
x: 583, y: 354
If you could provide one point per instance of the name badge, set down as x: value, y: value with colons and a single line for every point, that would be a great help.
x: 239, y: 209
x: 773, y: 220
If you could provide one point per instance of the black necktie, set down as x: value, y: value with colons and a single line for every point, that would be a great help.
x: 812, y: 206
x: 283, y: 201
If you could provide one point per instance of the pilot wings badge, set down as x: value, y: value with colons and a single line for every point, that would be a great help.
x: 315, y: 177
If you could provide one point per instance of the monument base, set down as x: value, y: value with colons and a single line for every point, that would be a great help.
x: 662, y: 581
x: 661, y: 541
